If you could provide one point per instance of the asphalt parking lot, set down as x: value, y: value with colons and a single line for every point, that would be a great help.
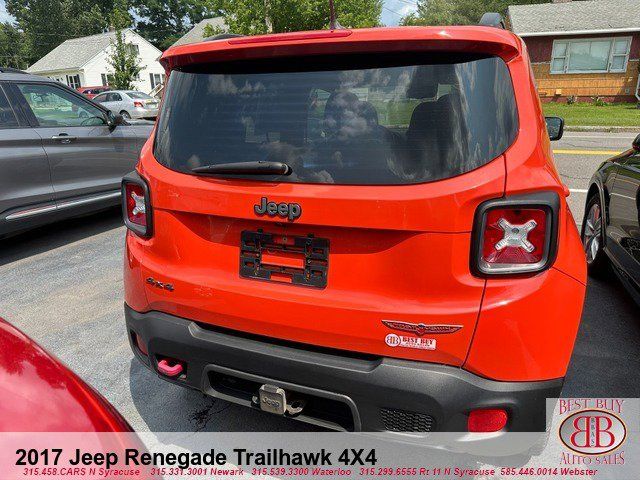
x: 62, y: 285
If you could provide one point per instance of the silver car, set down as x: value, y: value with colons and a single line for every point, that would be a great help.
x: 61, y: 155
x: 129, y: 104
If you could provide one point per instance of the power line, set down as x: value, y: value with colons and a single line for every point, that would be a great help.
x: 401, y: 15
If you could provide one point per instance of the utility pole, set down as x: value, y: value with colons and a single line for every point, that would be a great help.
x: 267, y: 17
x: 333, y: 21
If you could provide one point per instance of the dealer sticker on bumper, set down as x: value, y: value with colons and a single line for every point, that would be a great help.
x: 394, y: 340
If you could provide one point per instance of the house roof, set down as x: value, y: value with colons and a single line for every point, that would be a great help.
x: 575, y: 17
x: 196, y: 34
x: 74, y: 53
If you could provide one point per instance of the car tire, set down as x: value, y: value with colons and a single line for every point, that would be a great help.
x: 593, y: 238
x: 125, y: 115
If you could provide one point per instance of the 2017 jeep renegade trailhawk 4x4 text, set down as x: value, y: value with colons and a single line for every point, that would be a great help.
x: 362, y: 229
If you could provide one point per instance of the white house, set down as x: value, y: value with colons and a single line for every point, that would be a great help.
x: 84, y: 61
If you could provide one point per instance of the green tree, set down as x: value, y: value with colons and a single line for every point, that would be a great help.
x: 123, y: 59
x: 47, y: 23
x: 12, y: 52
x: 458, y: 12
x: 162, y: 22
x: 251, y: 17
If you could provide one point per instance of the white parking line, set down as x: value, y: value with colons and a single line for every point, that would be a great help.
x: 578, y: 190
x: 605, y: 135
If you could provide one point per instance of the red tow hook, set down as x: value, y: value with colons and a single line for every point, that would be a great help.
x: 169, y: 367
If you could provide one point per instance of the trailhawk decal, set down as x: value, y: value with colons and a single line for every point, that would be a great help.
x: 421, y: 329
x: 394, y: 340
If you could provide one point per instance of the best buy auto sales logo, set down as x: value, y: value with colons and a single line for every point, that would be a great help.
x: 593, y: 432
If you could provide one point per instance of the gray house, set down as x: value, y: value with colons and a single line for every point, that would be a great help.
x: 196, y: 34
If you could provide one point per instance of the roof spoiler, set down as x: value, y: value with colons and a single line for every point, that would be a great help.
x: 492, y: 19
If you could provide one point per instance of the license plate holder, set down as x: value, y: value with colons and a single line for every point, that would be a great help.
x: 312, y: 252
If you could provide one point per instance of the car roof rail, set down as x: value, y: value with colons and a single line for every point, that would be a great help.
x: 11, y: 70
x: 493, y: 19
x: 222, y: 36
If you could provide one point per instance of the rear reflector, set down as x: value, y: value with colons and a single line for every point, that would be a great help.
x: 487, y: 420
x: 140, y: 344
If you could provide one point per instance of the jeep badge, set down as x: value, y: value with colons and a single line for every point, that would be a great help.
x: 284, y: 210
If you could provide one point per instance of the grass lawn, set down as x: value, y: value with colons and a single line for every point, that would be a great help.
x: 617, y: 114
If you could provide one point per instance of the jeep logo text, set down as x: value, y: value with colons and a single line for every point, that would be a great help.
x: 284, y: 210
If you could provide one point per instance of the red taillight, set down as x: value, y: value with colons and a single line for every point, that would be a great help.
x: 487, y: 420
x: 515, y: 235
x: 138, y: 104
x: 136, y: 205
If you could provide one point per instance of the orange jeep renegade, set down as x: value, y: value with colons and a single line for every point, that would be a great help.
x: 360, y: 229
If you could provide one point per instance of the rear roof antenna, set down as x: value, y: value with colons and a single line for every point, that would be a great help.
x: 334, y: 24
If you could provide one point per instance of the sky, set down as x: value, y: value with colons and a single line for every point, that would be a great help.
x: 392, y: 11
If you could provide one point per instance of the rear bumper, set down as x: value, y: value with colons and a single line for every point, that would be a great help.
x: 343, y: 391
x: 144, y: 113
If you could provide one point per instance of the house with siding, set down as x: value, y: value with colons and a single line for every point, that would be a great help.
x: 582, y: 49
x: 84, y: 61
x: 196, y: 34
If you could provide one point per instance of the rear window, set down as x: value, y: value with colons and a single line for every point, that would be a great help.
x: 401, y: 120
x: 139, y: 95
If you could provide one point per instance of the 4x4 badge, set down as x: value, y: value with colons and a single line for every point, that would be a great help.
x: 421, y: 328
x: 284, y: 210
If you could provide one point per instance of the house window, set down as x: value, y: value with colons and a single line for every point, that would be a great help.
x: 597, y: 55
x: 73, y: 81
x: 107, y: 79
x: 156, y: 79
x: 133, y: 48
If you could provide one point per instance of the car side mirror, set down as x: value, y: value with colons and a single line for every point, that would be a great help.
x: 555, y: 127
x: 114, y: 119
x: 636, y: 144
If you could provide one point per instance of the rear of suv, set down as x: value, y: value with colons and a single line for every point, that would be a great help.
x: 361, y: 229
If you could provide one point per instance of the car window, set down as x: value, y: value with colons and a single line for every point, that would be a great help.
x: 139, y: 95
x: 361, y: 120
x: 54, y: 106
x: 114, y: 97
x: 100, y: 98
x: 7, y: 116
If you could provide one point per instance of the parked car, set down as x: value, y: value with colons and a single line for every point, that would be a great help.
x: 91, y: 92
x: 364, y: 242
x: 40, y: 394
x: 60, y: 154
x: 611, y: 225
x: 130, y: 104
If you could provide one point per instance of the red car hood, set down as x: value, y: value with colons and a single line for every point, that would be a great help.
x: 40, y: 394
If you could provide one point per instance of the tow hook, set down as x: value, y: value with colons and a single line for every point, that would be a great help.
x: 170, y: 368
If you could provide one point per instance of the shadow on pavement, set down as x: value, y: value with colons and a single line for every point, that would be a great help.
x: 49, y: 237
x: 165, y: 407
x: 605, y: 361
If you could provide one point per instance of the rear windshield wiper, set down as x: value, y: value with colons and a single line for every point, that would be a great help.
x: 245, y: 168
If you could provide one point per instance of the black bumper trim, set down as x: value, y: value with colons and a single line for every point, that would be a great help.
x: 446, y: 393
